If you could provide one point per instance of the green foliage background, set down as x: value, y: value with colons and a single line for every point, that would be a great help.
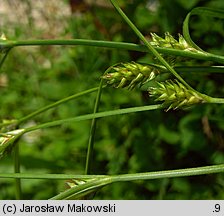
x: 149, y: 141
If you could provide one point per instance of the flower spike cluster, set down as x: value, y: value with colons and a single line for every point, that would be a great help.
x: 175, y: 95
x: 170, y: 42
x: 129, y: 75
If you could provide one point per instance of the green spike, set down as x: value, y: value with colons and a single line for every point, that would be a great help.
x: 129, y: 75
x: 175, y: 95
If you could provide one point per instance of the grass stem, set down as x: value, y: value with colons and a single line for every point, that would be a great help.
x: 94, y: 184
x: 50, y: 106
x: 94, y: 115
x: 119, y: 45
x: 92, y: 132
x: 18, y: 190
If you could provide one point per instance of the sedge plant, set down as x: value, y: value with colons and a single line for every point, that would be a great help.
x: 170, y: 94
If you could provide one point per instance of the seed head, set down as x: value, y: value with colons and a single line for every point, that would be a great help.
x: 129, y: 75
x: 170, y: 42
x: 175, y: 95
x: 7, y: 140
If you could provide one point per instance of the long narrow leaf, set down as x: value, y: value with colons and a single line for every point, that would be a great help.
x: 93, y: 131
x: 118, y: 45
x: 94, y: 184
x: 201, y: 11
x: 94, y: 115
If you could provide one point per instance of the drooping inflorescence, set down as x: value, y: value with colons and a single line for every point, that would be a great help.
x: 175, y: 95
x: 129, y: 75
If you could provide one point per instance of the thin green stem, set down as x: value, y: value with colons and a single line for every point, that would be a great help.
x: 202, y: 70
x: 120, y: 45
x: 18, y: 190
x: 82, y: 42
x: 57, y: 103
x: 200, y: 11
x: 50, y: 106
x: 215, y: 100
x: 48, y: 176
x: 93, y: 131
x: 122, y: 177
x: 170, y: 173
x: 94, y: 115
x: 4, y: 57
x: 199, y: 69
x: 94, y: 184
x: 148, y: 45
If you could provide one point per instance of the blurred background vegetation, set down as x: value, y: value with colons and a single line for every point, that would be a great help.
x: 157, y: 140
